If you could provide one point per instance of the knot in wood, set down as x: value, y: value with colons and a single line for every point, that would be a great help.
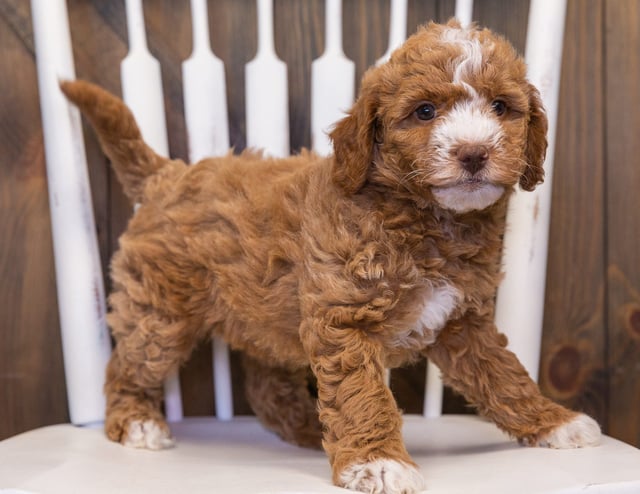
x: 564, y: 370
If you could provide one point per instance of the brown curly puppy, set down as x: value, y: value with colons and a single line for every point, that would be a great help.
x: 372, y: 258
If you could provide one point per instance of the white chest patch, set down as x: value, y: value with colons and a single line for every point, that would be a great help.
x: 438, y: 307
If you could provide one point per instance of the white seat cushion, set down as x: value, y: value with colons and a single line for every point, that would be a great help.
x: 456, y: 454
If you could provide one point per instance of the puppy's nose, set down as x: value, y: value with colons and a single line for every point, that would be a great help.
x: 473, y: 157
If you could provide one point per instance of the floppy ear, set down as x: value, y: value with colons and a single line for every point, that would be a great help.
x: 536, y: 147
x: 353, y: 142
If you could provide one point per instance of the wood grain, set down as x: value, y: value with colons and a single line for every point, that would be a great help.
x: 573, y: 358
x: 622, y: 76
x: 505, y: 17
x: 227, y: 18
x: 32, y: 390
x: 298, y: 46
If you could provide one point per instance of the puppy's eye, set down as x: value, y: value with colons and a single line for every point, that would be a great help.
x: 426, y: 111
x: 499, y: 107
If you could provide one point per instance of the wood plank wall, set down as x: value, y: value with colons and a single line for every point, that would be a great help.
x: 591, y: 346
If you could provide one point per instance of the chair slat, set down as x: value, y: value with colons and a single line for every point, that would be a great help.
x: 520, y: 300
x: 205, y: 93
x: 397, y: 28
x: 464, y: 11
x: 142, y: 82
x: 142, y: 91
x: 222, y: 380
x: 206, y: 116
x: 266, y: 88
x: 433, y: 392
x: 332, y: 81
x: 85, y: 339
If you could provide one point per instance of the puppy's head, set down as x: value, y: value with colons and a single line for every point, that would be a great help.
x: 450, y: 118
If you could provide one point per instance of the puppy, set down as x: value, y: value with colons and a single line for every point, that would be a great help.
x: 372, y: 258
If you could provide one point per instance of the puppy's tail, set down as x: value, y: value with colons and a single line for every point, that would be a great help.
x: 132, y: 159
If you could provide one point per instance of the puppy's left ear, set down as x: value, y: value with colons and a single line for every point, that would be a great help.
x: 536, y: 147
x: 354, y: 139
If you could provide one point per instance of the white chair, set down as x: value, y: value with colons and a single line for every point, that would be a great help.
x: 457, y: 454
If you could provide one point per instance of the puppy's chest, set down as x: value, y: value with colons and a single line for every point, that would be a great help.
x: 436, y: 307
x: 452, y: 283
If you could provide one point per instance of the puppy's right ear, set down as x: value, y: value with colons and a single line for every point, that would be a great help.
x: 353, y: 142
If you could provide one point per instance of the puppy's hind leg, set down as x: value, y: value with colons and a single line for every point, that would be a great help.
x: 147, y: 349
x: 283, y: 402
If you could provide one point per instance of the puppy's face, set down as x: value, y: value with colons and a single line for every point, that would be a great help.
x: 450, y: 118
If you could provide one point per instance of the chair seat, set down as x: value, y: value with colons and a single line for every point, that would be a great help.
x: 457, y: 454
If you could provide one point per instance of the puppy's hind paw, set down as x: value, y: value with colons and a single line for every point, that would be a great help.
x: 148, y: 434
x: 582, y: 431
x: 383, y: 476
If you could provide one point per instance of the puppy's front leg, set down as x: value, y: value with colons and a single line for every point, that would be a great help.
x: 473, y: 358
x: 362, y: 424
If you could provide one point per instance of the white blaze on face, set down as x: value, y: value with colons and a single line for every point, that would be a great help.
x: 469, y: 121
x: 470, y: 60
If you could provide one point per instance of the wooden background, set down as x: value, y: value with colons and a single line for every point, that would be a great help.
x: 591, y: 347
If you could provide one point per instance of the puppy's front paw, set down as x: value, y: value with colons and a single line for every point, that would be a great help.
x: 383, y: 476
x: 148, y: 434
x: 580, y: 432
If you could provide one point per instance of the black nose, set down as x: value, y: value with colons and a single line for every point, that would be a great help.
x: 473, y: 157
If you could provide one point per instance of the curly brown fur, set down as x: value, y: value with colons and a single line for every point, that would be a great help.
x: 281, y: 399
x: 369, y: 259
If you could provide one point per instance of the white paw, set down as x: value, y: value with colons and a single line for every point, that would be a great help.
x: 148, y: 435
x: 580, y: 432
x: 383, y: 477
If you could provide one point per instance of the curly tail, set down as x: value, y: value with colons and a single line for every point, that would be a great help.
x: 132, y: 159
